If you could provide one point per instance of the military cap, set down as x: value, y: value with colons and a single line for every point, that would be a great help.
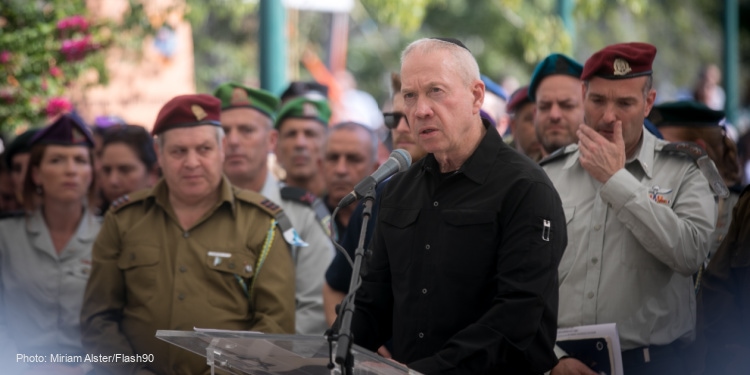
x: 309, y: 89
x: 20, y: 145
x: 305, y: 108
x: 452, y: 41
x: 188, y: 110
x: 554, y: 64
x: 67, y: 130
x: 494, y: 88
x: 233, y: 95
x: 685, y: 113
x: 620, y: 61
x: 518, y: 99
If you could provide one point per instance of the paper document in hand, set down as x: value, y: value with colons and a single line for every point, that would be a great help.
x: 597, y: 346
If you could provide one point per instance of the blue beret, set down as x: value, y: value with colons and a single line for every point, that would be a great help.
x: 553, y: 64
x: 67, y: 130
x: 494, y: 88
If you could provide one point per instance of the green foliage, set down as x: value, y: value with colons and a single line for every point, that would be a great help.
x: 46, y: 46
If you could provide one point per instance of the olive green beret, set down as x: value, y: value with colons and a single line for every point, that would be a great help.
x: 233, y: 95
x: 305, y: 108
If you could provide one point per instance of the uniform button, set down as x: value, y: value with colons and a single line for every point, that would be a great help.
x: 183, y: 269
x: 424, y: 291
x: 594, y: 260
x: 597, y: 227
x: 591, y: 295
x: 435, y: 203
x: 421, y: 335
x: 186, y: 235
x: 427, y: 246
x: 180, y: 296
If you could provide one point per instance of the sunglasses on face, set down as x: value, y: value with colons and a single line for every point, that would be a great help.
x: 392, y: 119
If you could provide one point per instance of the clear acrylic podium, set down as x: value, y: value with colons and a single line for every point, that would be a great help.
x: 240, y: 352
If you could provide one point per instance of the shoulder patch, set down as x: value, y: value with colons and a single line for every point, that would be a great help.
x: 704, y: 163
x: 303, y: 196
x: 297, y: 194
x: 559, y: 153
x: 258, y: 200
x: 128, y: 199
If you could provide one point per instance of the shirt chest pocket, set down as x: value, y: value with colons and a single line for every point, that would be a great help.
x: 230, y: 277
x: 139, y: 266
x: 467, y: 243
x: 399, y: 231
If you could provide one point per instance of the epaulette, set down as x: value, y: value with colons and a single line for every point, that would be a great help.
x: 301, y: 195
x: 559, y: 153
x: 12, y: 214
x: 274, y: 210
x: 701, y: 159
x: 128, y: 199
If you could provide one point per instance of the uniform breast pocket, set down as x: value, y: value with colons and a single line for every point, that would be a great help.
x: 399, y: 229
x: 569, y: 255
x: 139, y: 264
x: 231, y: 275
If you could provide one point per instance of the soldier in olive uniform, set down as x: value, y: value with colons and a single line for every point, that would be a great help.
x: 192, y: 252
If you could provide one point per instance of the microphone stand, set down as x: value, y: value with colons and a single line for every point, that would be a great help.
x: 344, y: 355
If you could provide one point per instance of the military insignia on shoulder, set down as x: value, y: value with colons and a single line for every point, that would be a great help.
x: 120, y: 201
x: 706, y: 166
x: 621, y: 67
x: 559, y: 153
x: 270, y: 205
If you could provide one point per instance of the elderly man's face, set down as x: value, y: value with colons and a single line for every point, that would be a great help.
x: 191, y: 160
x: 438, y: 102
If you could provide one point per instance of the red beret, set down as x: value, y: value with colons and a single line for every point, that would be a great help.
x: 518, y: 99
x: 188, y: 110
x: 619, y: 61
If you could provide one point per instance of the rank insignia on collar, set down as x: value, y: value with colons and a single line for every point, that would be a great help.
x: 658, y: 194
x: 621, y: 67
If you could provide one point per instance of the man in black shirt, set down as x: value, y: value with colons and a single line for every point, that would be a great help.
x: 463, y: 273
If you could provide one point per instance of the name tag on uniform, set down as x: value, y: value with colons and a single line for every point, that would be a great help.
x: 218, y: 255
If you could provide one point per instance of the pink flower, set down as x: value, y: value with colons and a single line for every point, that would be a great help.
x: 75, y: 49
x: 55, y: 72
x: 57, y: 106
x: 4, y: 57
x: 73, y: 23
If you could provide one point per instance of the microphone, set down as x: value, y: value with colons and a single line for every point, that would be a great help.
x: 398, y: 161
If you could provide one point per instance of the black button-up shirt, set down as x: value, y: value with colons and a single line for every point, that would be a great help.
x: 463, y: 272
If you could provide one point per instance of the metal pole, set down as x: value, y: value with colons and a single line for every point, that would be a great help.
x: 272, y: 46
x: 731, y: 59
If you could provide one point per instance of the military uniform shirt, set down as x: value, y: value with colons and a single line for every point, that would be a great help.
x: 633, y: 244
x: 310, y: 261
x: 149, y: 273
x: 41, y: 292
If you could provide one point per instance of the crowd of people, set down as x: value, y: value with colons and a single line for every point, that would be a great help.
x: 576, y: 200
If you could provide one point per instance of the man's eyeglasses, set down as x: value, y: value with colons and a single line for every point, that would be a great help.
x: 393, y: 118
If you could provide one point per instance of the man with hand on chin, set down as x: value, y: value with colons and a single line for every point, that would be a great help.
x: 639, y: 217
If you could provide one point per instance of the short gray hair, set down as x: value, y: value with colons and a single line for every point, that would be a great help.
x: 352, y: 126
x: 219, y: 138
x: 463, y: 61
